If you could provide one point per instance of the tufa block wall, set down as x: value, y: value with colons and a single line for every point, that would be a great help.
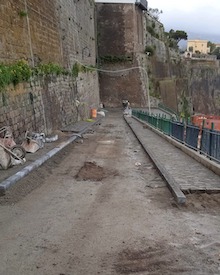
x: 120, y: 37
x: 60, y: 31
x: 77, y: 31
x: 16, y: 41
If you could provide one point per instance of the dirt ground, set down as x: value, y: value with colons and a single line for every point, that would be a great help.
x: 100, y: 207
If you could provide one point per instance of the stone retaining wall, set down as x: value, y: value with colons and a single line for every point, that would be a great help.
x: 56, y: 31
x: 48, y: 104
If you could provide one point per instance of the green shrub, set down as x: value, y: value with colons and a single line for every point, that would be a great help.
x: 20, y: 72
x: 48, y: 69
x: 22, y: 13
x: 149, y: 50
x: 75, y: 70
x: 5, y: 76
x: 14, y: 73
x: 151, y: 30
x: 115, y: 58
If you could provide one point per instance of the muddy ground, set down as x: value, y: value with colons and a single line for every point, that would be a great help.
x: 100, y: 207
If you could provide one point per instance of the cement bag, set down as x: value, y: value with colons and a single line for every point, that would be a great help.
x: 5, y: 159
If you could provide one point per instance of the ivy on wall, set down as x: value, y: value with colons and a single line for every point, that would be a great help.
x: 21, y: 72
x: 14, y: 73
x: 115, y: 58
x: 78, y: 68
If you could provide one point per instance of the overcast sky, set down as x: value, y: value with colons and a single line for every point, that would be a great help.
x: 199, y: 18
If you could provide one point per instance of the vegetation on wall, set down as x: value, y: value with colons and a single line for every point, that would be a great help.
x: 149, y: 50
x: 75, y: 70
x: 49, y: 69
x: 154, y: 27
x: 115, y: 58
x: 78, y: 68
x: 151, y: 30
x: 14, y: 73
x: 185, y: 108
x: 155, y: 13
x: 21, y: 72
x: 154, y: 87
x: 22, y: 13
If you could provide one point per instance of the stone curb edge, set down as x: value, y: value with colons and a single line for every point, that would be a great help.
x: 5, y: 184
x: 171, y: 183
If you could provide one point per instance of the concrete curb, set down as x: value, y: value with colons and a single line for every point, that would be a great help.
x: 4, y: 185
x: 210, y: 164
x: 171, y: 183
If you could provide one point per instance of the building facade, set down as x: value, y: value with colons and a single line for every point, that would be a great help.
x: 198, y: 46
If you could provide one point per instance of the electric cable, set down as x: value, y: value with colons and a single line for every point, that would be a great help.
x: 120, y: 71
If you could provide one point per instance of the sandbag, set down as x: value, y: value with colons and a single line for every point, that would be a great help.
x: 5, y: 159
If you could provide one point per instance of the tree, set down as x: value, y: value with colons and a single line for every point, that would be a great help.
x: 212, y: 46
x: 217, y: 52
x: 174, y: 37
x: 178, y: 35
x: 155, y: 13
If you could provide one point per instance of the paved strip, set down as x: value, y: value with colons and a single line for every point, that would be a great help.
x: 26, y: 170
x: 188, y: 174
x: 171, y: 183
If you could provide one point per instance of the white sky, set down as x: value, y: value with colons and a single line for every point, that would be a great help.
x: 200, y: 19
x: 193, y: 16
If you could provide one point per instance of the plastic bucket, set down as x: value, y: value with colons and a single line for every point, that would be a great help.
x: 93, y: 113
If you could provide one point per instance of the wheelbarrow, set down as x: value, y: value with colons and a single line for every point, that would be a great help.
x: 33, y: 141
x: 10, y: 152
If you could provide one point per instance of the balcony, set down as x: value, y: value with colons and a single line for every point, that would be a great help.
x: 142, y: 4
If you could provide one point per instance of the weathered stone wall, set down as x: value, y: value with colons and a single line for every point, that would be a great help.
x: 162, y: 66
x: 120, y: 36
x: 115, y: 29
x: 16, y: 42
x: 204, y: 86
x: 77, y: 31
x: 173, y: 80
x: 122, y: 85
x: 60, y: 31
x: 49, y: 103
x: 55, y: 31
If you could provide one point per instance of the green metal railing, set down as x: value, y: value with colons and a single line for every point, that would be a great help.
x: 185, y: 133
x: 165, y: 108
x: 158, y: 122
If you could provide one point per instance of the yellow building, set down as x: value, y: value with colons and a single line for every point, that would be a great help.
x: 198, y: 46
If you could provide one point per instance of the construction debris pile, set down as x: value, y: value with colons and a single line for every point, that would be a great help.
x: 13, y: 154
